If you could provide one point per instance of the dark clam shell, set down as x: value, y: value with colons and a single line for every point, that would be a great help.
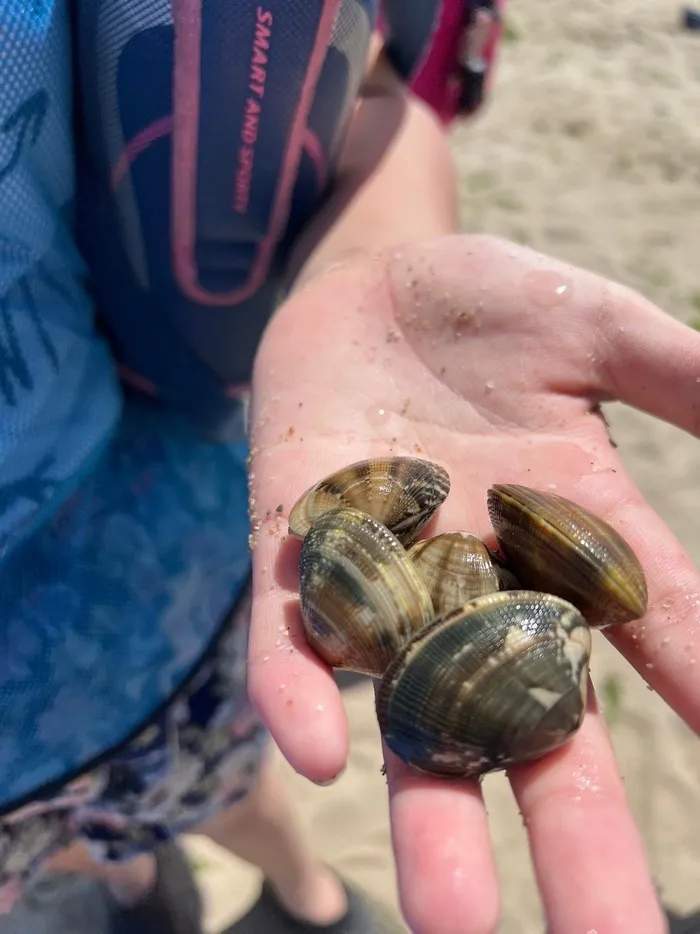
x: 361, y: 597
x: 553, y: 545
x: 456, y: 567
x: 402, y: 493
x: 500, y: 681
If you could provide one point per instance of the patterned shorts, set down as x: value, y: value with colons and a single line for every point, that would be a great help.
x: 200, y: 754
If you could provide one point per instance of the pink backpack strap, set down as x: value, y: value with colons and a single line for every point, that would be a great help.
x: 444, y: 50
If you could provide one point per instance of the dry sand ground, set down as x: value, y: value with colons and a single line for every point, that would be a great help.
x: 590, y: 151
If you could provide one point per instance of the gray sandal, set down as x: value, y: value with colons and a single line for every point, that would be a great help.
x: 66, y: 903
x: 362, y: 917
x: 174, y: 906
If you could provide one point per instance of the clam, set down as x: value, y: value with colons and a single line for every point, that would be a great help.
x: 555, y: 546
x: 361, y: 596
x: 456, y: 567
x: 499, y: 681
x: 402, y: 493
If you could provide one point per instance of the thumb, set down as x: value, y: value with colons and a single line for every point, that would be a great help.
x: 648, y: 359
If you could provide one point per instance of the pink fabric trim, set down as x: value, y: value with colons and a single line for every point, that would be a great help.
x: 237, y: 390
x: 314, y: 150
x: 139, y: 144
x: 137, y: 381
x: 432, y: 78
x: 187, y: 17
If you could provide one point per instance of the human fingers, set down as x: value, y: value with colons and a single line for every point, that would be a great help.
x: 664, y: 646
x: 446, y: 872
x: 647, y: 359
x: 293, y: 690
x: 588, y: 855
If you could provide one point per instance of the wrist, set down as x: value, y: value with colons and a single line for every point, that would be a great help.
x: 396, y: 183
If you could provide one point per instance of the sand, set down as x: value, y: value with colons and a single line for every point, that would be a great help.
x: 590, y: 151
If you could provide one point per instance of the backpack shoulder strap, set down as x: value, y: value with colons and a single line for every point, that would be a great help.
x: 210, y: 130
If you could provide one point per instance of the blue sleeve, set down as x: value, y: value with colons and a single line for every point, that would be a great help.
x: 58, y: 394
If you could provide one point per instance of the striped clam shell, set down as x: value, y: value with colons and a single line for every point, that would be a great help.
x: 456, y: 567
x: 402, y: 493
x: 500, y: 681
x: 555, y: 546
x: 361, y: 597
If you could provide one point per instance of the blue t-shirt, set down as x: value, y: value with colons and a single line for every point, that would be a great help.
x: 157, y: 159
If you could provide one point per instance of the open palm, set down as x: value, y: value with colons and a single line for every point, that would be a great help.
x: 491, y: 360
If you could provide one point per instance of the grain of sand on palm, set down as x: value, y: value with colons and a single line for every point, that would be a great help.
x: 590, y: 151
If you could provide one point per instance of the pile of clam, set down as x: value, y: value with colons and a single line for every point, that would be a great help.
x: 482, y: 658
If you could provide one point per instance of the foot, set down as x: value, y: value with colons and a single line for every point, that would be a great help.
x: 361, y: 916
x: 68, y: 903
x: 319, y: 897
x: 59, y: 904
x: 173, y: 906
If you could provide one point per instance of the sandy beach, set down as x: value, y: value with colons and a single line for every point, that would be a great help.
x: 589, y: 150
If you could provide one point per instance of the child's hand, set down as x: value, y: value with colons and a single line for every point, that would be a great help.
x: 491, y: 360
